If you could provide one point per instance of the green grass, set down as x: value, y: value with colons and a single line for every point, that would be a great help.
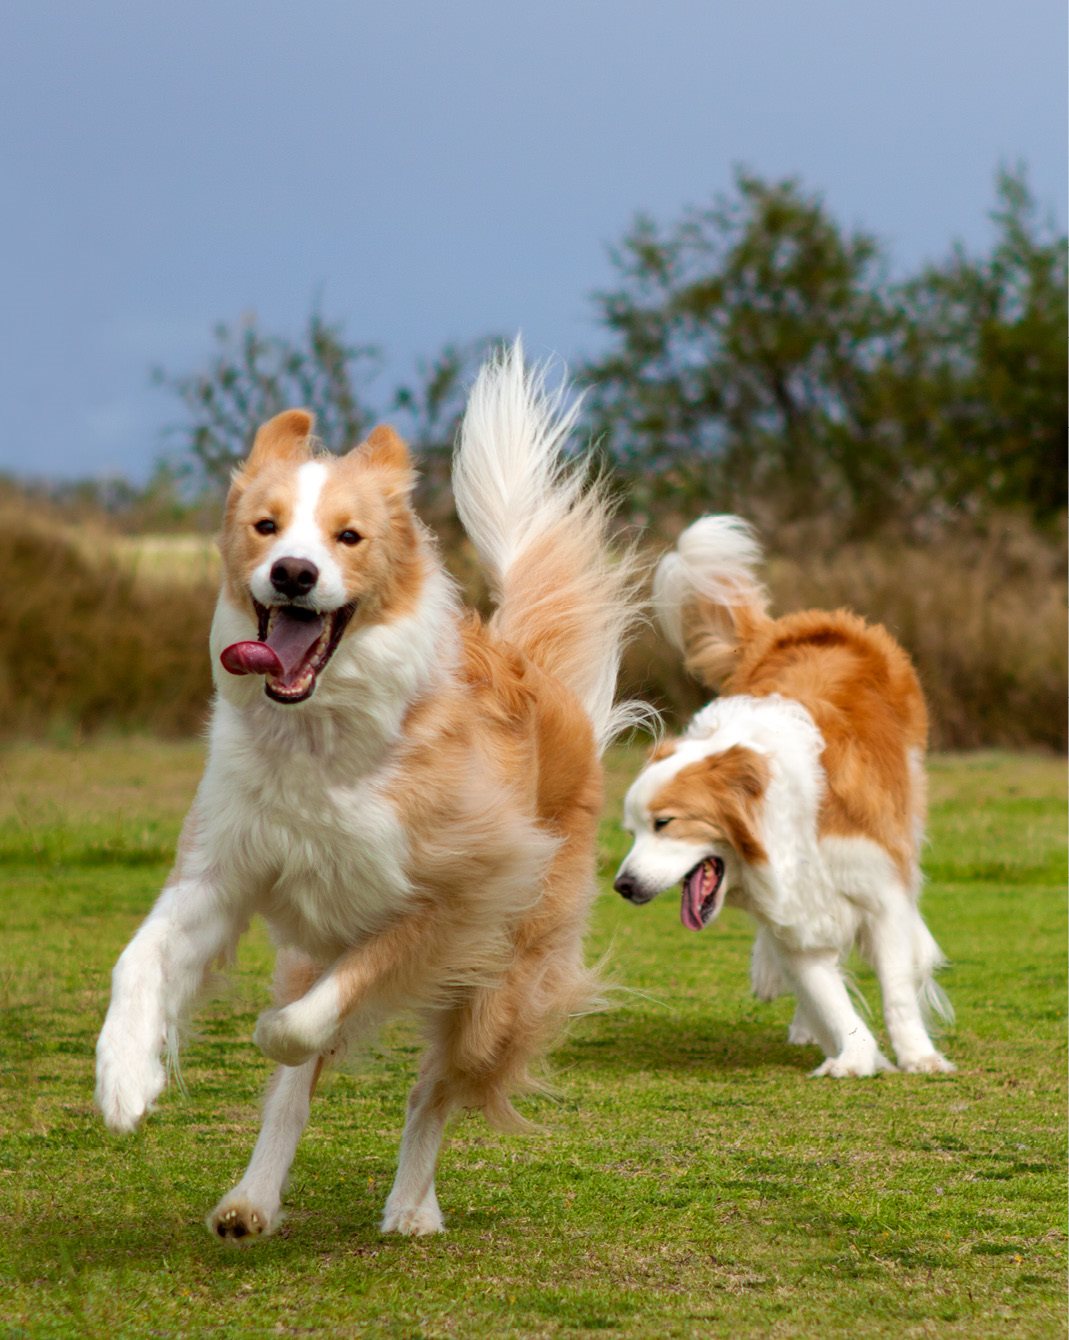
x: 690, y: 1179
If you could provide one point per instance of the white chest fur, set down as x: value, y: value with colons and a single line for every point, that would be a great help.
x: 318, y: 849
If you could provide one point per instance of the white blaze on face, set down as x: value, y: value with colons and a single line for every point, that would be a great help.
x: 304, y: 538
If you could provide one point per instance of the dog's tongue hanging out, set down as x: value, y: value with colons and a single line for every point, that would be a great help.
x: 702, y: 894
x: 291, y: 636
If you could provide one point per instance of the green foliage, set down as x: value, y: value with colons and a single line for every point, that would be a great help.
x: 763, y: 362
x: 979, y: 385
x: 254, y: 376
x: 689, y: 1179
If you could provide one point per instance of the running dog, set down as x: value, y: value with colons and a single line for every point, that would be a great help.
x: 407, y: 794
x: 799, y: 797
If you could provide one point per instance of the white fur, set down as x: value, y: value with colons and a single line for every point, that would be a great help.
x: 304, y: 538
x: 293, y: 820
x: 715, y: 558
x: 513, y: 485
x: 254, y: 1203
x: 510, y: 479
x: 815, y: 899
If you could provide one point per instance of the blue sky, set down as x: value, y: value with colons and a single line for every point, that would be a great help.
x: 437, y: 171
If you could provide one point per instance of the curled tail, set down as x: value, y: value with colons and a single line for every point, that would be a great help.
x: 706, y: 596
x: 563, y: 597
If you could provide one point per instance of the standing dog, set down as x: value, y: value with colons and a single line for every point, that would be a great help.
x: 800, y: 797
x: 407, y: 795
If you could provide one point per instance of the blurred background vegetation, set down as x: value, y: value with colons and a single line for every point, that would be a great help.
x: 899, y: 442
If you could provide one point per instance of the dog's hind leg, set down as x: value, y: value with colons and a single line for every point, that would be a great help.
x: 905, y: 956
x: 251, y: 1209
x: 412, y: 1205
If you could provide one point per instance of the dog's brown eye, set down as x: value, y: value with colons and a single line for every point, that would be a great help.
x: 350, y: 537
x: 658, y: 824
x: 265, y: 526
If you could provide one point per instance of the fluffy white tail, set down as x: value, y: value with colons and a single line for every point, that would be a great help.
x: 541, y: 533
x: 706, y: 595
x: 928, y: 958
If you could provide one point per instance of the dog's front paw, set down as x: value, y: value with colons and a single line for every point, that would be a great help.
x: 852, y: 1065
x: 931, y: 1063
x: 236, y: 1217
x: 128, y: 1085
x: 414, y: 1221
x: 291, y: 1035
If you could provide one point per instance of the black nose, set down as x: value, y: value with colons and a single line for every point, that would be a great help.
x: 626, y: 885
x: 294, y: 576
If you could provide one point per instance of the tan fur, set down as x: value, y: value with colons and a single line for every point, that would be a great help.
x: 507, y: 749
x: 718, y: 798
x: 715, y: 634
x: 368, y: 492
x: 497, y: 777
x: 862, y: 692
x: 286, y: 437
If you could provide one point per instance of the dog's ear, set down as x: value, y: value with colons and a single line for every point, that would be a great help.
x: 287, y: 437
x: 744, y: 769
x: 738, y: 778
x: 385, y: 450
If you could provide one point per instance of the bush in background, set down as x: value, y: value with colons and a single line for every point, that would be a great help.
x: 900, y: 445
x: 85, y: 645
x: 983, y: 615
x: 98, y: 632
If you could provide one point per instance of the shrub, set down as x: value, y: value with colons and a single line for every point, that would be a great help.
x: 90, y: 640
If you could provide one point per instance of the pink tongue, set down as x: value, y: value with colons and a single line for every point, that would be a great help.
x: 250, y: 658
x: 288, y: 643
x: 696, y: 888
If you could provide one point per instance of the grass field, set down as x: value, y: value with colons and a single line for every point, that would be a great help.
x: 690, y: 1179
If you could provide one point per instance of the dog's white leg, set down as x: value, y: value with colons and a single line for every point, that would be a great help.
x: 801, y: 1032
x: 894, y: 937
x: 412, y: 1205
x: 252, y: 1207
x: 155, y: 981
x: 825, y: 1002
x: 766, y: 970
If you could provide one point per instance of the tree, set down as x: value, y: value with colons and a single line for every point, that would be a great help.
x: 745, y: 334
x: 254, y: 376
x: 980, y: 382
x: 763, y: 360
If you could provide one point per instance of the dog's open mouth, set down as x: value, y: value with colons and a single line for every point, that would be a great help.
x: 703, y: 894
x: 295, y: 644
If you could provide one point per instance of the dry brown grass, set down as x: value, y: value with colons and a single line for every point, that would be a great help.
x: 99, y: 631
x: 87, y: 644
x: 983, y: 616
